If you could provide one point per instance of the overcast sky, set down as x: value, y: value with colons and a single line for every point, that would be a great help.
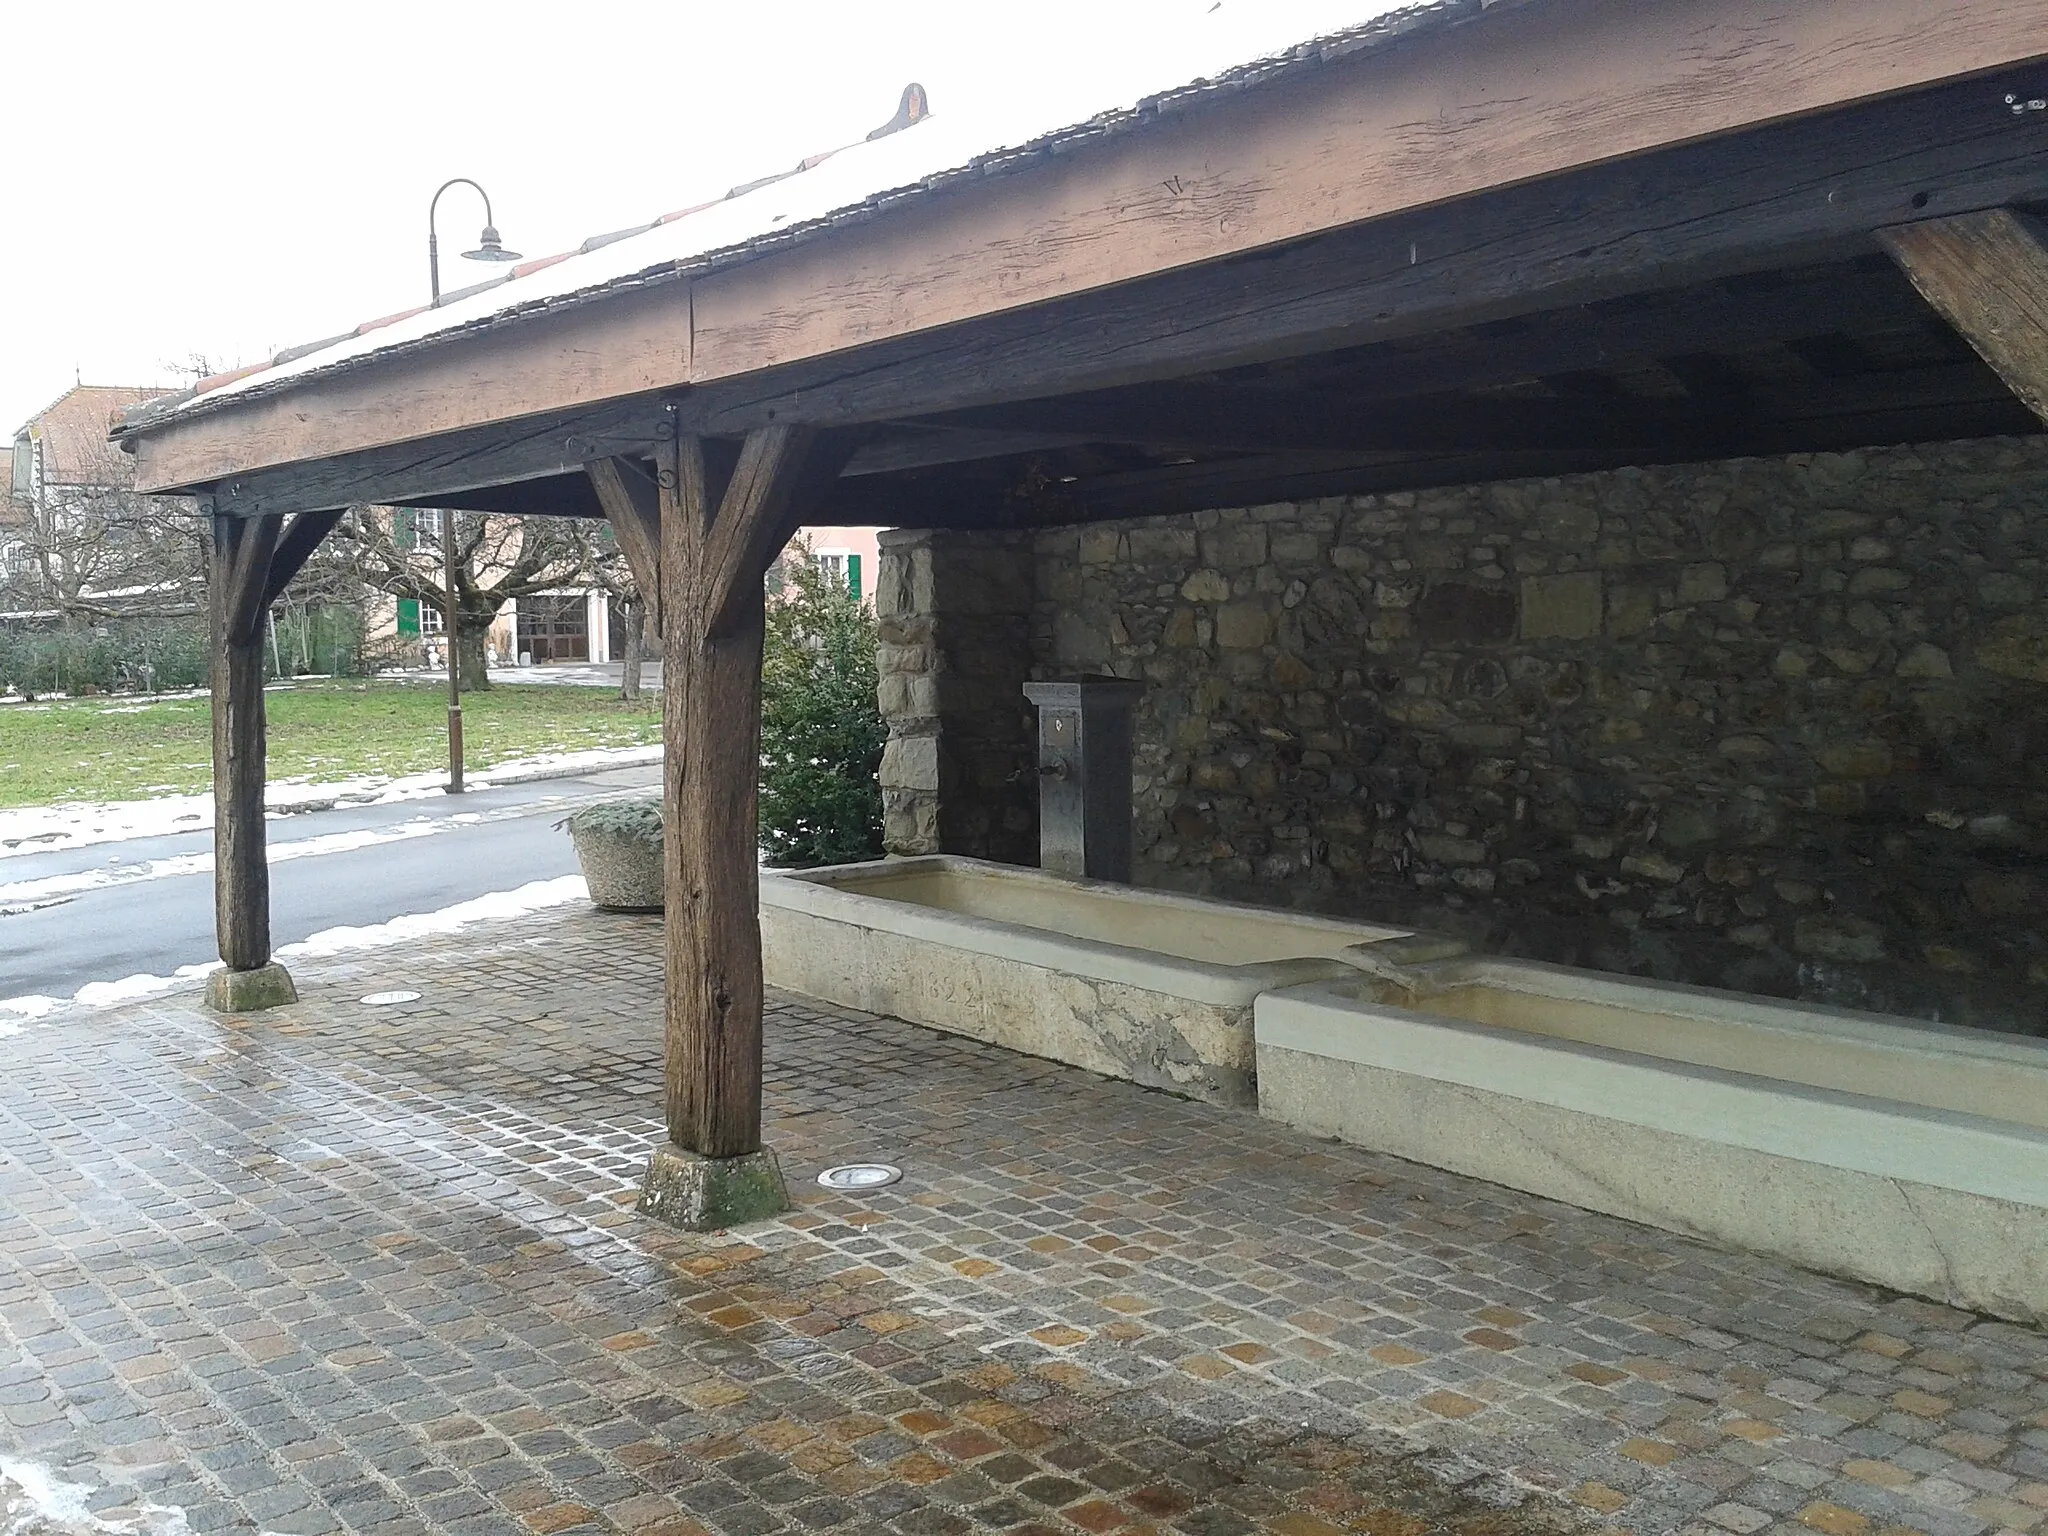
x: 218, y: 180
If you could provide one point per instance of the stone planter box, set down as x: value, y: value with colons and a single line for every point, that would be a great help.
x: 1130, y: 983
x: 1911, y: 1155
x: 623, y: 870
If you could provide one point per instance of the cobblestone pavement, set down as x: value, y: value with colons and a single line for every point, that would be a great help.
x: 343, y: 1267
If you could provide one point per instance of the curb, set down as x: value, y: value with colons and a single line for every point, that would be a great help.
x: 645, y: 757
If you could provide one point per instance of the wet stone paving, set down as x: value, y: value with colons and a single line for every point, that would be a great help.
x: 351, y: 1268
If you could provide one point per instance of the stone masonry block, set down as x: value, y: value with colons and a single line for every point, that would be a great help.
x: 911, y: 762
x: 1563, y: 607
x: 268, y: 986
x: 907, y: 696
x: 708, y: 1194
x: 1238, y: 547
x: 1243, y: 626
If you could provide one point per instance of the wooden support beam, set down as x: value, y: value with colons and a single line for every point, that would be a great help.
x: 1987, y: 273
x: 1629, y: 331
x: 632, y: 505
x: 245, y: 579
x: 918, y: 445
x: 424, y: 474
x: 716, y: 543
x: 1237, y: 418
x: 295, y: 548
x: 238, y: 579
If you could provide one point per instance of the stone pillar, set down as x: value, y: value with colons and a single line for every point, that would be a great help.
x: 954, y: 611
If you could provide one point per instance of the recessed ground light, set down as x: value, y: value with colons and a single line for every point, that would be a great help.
x: 860, y: 1176
x: 386, y: 999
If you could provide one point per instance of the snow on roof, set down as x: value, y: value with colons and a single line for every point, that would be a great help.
x: 855, y: 182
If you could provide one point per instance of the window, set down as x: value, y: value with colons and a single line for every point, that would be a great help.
x: 24, y: 465
x: 842, y: 565
x: 14, y: 560
x: 428, y: 521
x: 432, y: 619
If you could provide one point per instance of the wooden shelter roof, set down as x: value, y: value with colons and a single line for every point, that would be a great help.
x: 1474, y: 237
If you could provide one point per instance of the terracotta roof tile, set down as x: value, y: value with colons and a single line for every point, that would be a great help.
x: 73, y: 428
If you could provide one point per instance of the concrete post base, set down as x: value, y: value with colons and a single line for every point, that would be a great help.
x: 703, y: 1194
x: 268, y: 986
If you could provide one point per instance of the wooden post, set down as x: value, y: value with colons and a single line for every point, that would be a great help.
x: 253, y: 560
x: 716, y: 543
x: 238, y: 585
x: 1987, y: 273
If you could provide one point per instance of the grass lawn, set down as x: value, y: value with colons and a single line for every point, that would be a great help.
x: 119, y: 749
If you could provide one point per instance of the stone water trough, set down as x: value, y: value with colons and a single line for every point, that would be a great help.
x: 1130, y: 983
x: 1911, y: 1155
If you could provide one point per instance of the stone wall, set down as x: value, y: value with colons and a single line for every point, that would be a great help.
x: 1778, y: 725
x: 955, y: 622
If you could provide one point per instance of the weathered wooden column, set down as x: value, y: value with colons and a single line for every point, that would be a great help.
x: 253, y: 559
x: 236, y: 586
x: 1987, y: 273
x: 719, y: 530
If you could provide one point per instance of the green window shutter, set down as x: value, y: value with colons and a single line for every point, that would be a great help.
x: 853, y: 574
x: 405, y: 533
x: 408, y: 615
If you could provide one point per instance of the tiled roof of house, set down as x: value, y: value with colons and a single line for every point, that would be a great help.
x: 822, y: 192
x: 73, y: 432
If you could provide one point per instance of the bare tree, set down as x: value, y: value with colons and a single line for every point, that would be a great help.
x: 497, y: 559
x: 87, y: 549
x: 610, y: 571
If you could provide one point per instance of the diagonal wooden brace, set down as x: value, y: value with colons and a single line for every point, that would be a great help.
x: 1987, y: 272
x: 632, y: 505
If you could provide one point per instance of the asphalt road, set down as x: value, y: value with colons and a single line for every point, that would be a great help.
x: 145, y: 906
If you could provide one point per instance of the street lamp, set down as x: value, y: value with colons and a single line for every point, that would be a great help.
x: 489, y: 248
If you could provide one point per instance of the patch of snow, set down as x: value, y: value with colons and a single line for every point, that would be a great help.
x: 498, y: 906
x: 35, y: 1007
x: 105, y: 994
x: 35, y: 829
x: 26, y: 895
x: 34, y: 1501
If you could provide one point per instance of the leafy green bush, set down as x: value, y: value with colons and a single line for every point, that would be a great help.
x: 821, y: 730
x: 132, y: 655
x: 164, y: 655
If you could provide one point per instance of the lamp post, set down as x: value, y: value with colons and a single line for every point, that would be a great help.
x: 489, y: 248
x: 448, y: 634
